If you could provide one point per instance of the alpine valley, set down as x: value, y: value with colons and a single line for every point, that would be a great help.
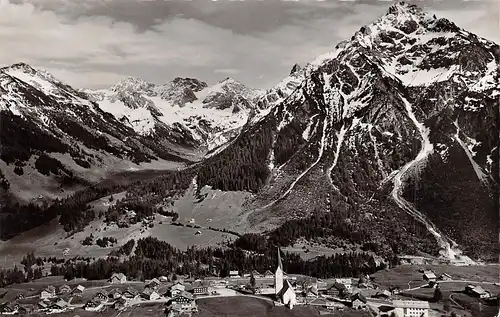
x: 387, y: 145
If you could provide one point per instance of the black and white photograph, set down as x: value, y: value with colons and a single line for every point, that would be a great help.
x: 250, y: 158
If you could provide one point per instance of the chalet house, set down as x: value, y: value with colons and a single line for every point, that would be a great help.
x: 268, y: 274
x: 336, y: 290
x: 234, y: 274
x: 117, y: 278
x: 347, y: 282
x: 9, y: 309
x: 445, y: 277
x: 150, y: 294
x: 48, y: 292
x: 115, y: 293
x: 130, y: 293
x: 64, y: 289
x: 78, y: 291
x: 430, y: 276
x: 26, y: 309
x: 120, y: 303
x: 154, y: 283
x: 101, y: 296
x: 477, y: 291
x: 256, y: 274
x: 358, y: 301
x: 41, y: 306
x: 93, y: 306
x: 59, y: 306
x: 184, y: 301
x: 411, y: 308
x: 176, y: 289
x: 201, y: 290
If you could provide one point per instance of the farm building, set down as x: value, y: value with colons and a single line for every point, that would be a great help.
x: 411, y: 308
x: 101, y: 296
x: 64, y: 289
x: 59, y: 306
x: 337, y: 290
x: 430, y: 276
x: 477, y: 291
x: 130, y: 293
x: 117, y: 278
x: 150, y: 294
x: 358, y: 301
x: 154, y: 283
x: 176, y: 289
x: 48, y: 292
x: 78, y: 290
x: 93, y: 306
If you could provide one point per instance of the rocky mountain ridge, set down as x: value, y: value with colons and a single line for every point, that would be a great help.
x: 388, y: 143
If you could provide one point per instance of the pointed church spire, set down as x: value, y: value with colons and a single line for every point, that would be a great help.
x: 280, y: 264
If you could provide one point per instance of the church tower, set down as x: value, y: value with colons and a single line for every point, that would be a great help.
x: 278, y: 276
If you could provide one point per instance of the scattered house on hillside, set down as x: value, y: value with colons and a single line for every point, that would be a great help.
x: 101, y: 296
x: 163, y: 279
x: 131, y: 214
x: 9, y: 309
x: 78, y: 291
x: 59, y: 306
x: 336, y: 290
x: 117, y: 278
x: 268, y: 274
x: 358, y: 301
x: 184, y: 302
x: 430, y: 276
x: 411, y: 308
x: 176, y: 289
x: 150, y: 294
x: 42, y: 306
x: 115, y: 293
x: 130, y: 293
x: 64, y: 289
x: 200, y: 288
x: 332, y: 305
x: 410, y: 259
x: 26, y: 309
x: 154, y: 283
x: 120, y: 303
x: 347, y: 282
x: 445, y: 277
x: 48, y: 292
x: 93, y: 306
x: 477, y: 291
x: 234, y: 274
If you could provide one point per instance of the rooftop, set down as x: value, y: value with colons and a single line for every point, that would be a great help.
x: 411, y: 304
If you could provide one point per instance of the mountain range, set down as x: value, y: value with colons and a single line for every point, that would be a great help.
x: 392, y: 137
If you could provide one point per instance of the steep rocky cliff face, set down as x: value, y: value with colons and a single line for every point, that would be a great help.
x: 396, y: 124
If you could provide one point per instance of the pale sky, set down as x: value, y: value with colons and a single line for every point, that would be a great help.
x: 95, y: 43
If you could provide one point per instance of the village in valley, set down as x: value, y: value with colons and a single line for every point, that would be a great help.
x: 432, y: 294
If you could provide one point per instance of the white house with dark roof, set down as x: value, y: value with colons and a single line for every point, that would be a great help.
x: 48, y: 292
x: 117, y: 278
x: 430, y: 276
x: 411, y: 308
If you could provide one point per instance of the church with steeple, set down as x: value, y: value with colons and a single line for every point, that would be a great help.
x: 282, y: 288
